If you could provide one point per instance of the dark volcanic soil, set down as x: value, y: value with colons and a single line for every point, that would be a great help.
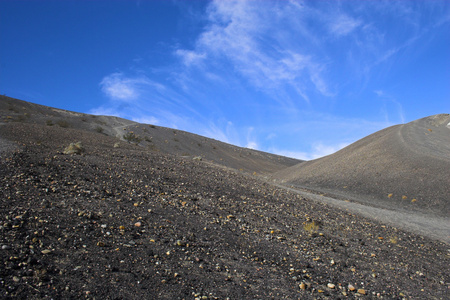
x: 155, y: 138
x: 128, y: 223
x: 404, y: 167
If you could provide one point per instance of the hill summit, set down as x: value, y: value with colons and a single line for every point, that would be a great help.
x: 401, y: 167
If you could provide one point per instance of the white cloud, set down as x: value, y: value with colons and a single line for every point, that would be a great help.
x: 270, y: 64
x: 343, y: 25
x: 216, y: 133
x: 242, y: 34
x: 292, y: 154
x: 318, y: 150
x: 104, y: 111
x: 252, y: 145
x: 390, y: 106
x: 147, y: 120
x: 138, y: 98
x: 227, y: 132
x: 319, y: 82
x: 116, y: 87
x: 119, y: 86
x: 379, y: 93
x: 190, y: 57
x: 271, y: 136
x: 251, y: 139
x: 313, y: 135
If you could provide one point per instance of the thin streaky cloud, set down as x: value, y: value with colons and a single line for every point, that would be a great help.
x: 343, y: 25
x: 144, y: 93
x: 190, y: 58
x: 397, y: 109
x: 379, y: 93
x: 251, y: 140
x: 118, y: 89
x: 262, y: 64
x: 105, y: 111
x: 240, y: 33
x: 317, y: 150
x: 117, y: 86
x: 147, y: 120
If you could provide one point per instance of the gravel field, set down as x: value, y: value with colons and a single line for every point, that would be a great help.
x: 130, y: 223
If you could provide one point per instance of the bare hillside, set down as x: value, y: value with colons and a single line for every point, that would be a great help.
x: 128, y: 223
x: 148, y: 136
x: 403, y: 167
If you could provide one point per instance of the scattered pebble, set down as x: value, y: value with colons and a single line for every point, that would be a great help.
x: 361, y: 291
x: 245, y: 242
x: 180, y: 243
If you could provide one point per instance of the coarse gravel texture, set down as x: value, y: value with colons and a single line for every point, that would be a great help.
x: 154, y: 138
x: 129, y: 223
x: 404, y: 167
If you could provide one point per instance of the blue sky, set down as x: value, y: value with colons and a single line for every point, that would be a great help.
x: 297, y: 78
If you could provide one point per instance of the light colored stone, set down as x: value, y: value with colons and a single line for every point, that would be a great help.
x: 74, y: 148
x: 361, y: 291
x: 180, y: 243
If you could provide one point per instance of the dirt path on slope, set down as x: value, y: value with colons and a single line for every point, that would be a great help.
x: 426, y: 225
x: 117, y: 125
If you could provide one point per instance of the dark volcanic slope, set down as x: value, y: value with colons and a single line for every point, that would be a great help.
x: 404, y: 166
x: 153, y: 138
x: 128, y: 223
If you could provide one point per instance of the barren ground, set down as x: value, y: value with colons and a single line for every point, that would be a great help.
x: 129, y: 223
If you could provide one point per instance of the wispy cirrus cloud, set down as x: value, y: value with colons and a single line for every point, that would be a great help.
x: 141, y: 99
x: 317, y: 150
x: 287, y: 70
x: 190, y: 58
x: 391, y: 107
x: 120, y: 87
x: 117, y: 87
x: 343, y: 25
x: 320, y: 134
x: 241, y: 34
